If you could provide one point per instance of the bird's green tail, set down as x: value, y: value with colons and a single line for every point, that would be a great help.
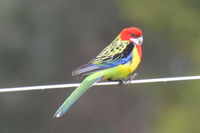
x: 85, y: 85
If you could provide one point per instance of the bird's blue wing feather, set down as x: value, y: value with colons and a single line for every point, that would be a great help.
x: 117, y: 62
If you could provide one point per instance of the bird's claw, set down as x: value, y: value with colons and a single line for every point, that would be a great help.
x: 129, y: 79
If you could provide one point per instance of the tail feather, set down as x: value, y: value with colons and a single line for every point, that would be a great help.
x: 79, y: 91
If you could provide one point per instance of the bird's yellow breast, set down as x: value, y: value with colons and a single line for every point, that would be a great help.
x: 135, y: 60
x: 130, y: 67
x: 124, y: 70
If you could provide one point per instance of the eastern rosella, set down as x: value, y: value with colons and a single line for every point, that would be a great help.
x: 117, y: 61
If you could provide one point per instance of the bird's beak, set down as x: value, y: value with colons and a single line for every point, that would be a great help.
x: 138, y: 40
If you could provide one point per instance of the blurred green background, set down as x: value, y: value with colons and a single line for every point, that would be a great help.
x: 41, y: 42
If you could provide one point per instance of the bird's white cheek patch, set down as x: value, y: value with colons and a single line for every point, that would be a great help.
x: 136, y: 41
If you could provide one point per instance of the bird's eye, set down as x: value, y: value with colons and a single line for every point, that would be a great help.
x: 133, y: 35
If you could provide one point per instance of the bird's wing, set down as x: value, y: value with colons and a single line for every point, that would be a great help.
x: 118, y: 52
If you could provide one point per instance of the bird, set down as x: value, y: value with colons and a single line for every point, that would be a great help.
x: 117, y: 61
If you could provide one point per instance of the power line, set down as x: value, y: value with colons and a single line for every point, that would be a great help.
x: 138, y: 81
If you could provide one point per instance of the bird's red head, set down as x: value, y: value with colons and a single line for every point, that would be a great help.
x: 133, y: 34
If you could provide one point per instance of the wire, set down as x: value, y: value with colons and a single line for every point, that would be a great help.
x: 139, y: 81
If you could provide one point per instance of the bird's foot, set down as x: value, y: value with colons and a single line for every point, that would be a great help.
x: 130, y: 78
x: 127, y: 80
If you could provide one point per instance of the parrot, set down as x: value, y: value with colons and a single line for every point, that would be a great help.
x: 117, y: 61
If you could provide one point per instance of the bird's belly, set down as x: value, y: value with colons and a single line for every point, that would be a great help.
x: 124, y: 70
x: 118, y: 72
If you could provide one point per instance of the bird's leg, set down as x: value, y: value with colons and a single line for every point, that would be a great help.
x: 130, y: 78
x: 127, y: 80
